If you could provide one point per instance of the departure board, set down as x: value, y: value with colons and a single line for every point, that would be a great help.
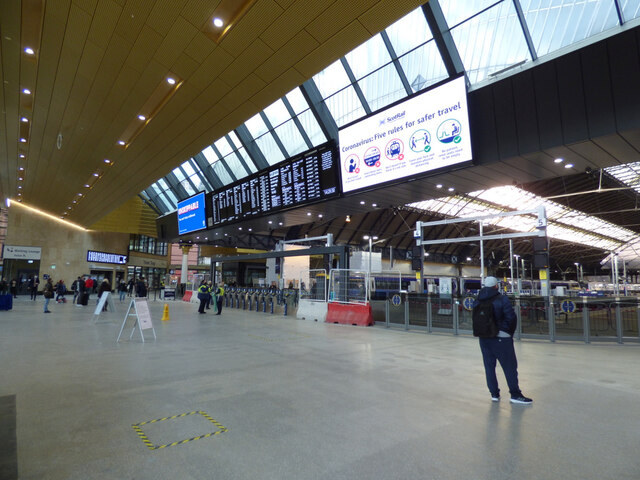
x: 306, y: 178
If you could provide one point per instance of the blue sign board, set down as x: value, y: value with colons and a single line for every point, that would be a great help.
x: 468, y: 303
x: 191, y: 214
x: 396, y: 300
x: 568, y: 306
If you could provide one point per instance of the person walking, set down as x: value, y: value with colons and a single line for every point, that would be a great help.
x: 219, y: 295
x: 500, y: 348
x: 13, y: 288
x: 47, y: 293
x: 34, y: 284
x: 203, y: 294
x: 122, y: 290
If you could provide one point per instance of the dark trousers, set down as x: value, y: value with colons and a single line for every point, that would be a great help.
x: 202, y: 304
x: 501, y: 350
x: 219, y: 304
x: 208, y: 302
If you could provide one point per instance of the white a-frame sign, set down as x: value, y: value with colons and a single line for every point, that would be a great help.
x: 105, y: 299
x: 143, y: 321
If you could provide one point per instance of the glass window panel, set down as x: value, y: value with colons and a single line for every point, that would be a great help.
x: 416, y: 24
x: 235, y: 166
x: 630, y: 9
x: 178, y: 173
x: 199, y: 184
x: 423, y: 67
x: 187, y: 186
x: 163, y: 184
x: 456, y: 11
x: 277, y: 113
x: 250, y: 163
x: 156, y: 189
x: 345, y: 106
x: 554, y: 24
x: 221, y: 173
x: 188, y: 168
x: 368, y: 57
x: 490, y: 42
x: 234, y: 138
x: 297, y: 101
x: 312, y: 128
x: 382, y: 87
x: 291, y: 138
x: 210, y: 155
x: 223, y: 146
x: 171, y: 196
x: 331, y: 79
x: 256, y: 126
x: 270, y: 149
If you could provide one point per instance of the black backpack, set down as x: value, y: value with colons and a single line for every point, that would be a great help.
x: 484, y: 321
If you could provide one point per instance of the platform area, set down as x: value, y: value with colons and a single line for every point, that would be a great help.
x: 257, y: 396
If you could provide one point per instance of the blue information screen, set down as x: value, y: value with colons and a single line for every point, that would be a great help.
x: 191, y: 214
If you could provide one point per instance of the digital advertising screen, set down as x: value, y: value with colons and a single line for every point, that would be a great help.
x: 424, y: 133
x: 191, y: 214
x: 306, y: 178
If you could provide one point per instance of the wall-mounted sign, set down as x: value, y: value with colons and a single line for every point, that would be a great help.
x: 15, y: 252
x: 104, y: 257
x: 146, y: 262
x: 191, y: 214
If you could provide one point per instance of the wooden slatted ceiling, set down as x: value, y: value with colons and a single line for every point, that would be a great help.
x: 99, y: 60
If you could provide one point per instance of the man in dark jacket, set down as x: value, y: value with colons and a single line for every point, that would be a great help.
x: 500, y: 348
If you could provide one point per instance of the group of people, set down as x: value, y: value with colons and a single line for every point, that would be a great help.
x: 206, y: 294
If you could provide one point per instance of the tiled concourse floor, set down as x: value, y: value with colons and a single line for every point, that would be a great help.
x: 294, y: 399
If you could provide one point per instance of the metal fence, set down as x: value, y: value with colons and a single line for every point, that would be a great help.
x: 555, y: 318
x: 348, y: 286
x: 313, y: 285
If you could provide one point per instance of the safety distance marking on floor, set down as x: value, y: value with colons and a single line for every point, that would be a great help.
x: 291, y: 336
x: 151, y: 446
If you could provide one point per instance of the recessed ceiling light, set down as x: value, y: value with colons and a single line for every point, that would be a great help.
x: 107, y: 161
x: 197, y: 238
x: 374, y: 205
x: 121, y: 142
x: 21, y: 169
x: 361, y: 202
x: 569, y: 165
x: 21, y: 155
x: 23, y: 140
x: 226, y: 235
x: 251, y: 229
x: 29, y: 51
x: 69, y: 208
x: 171, y: 81
x: 439, y: 185
x: 319, y: 215
x: 19, y: 194
x: 142, y: 117
x: 86, y: 185
x: 75, y: 201
x: 451, y: 189
x: 24, y: 119
x: 79, y: 194
x: 308, y: 214
x: 468, y: 259
x: 559, y: 160
x: 96, y: 174
x: 26, y: 91
x: 20, y: 179
x: 270, y: 222
x: 279, y: 223
x: 218, y: 22
x: 239, y: 228
x: 19, y: 186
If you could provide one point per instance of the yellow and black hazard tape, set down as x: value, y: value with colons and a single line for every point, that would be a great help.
x: 151, y: 446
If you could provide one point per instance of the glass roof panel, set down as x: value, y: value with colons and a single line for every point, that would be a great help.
x: 234, y: 138
x: 223, y: 146
x: 188, y: 168
x: 382, y: 87
x: 630, y: 9
x: 270, y: 149
x: 331, y: 79
x: 256, y: 126
x: 297, y: 101
x: 221, y: 173
x: 416, y: 23
x: 210, y: 155
x: 423, y: 67
x: 456, y: 11
x: 312, y: 127
x: 491, y: 42
x: 252, y: 166
x: 187, y: 186
x: 562, y: 222
x: 554, y: 24
x: 277, y: 113
x: 235, y: 166
x: 368, y: 57
x: 345, y: 106
x: 291, y: 138
x: 178, y: 173
x: 627, y: 174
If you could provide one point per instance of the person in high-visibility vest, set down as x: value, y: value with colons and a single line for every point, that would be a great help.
x: 219, y: 295
x: 203, y: 295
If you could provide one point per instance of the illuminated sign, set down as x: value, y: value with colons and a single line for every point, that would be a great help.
x: 427, y: 132
x: 191, y: 214
x: 104, y: 257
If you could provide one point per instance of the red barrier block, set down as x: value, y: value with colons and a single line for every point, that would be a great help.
x: 187, y: 296
x: 350, y: 314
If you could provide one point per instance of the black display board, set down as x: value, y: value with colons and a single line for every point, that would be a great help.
x: 307, y: 178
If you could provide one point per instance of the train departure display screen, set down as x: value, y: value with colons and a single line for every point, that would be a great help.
x: 427, y: 132
x: 191, y: 214
x: 306, y: 178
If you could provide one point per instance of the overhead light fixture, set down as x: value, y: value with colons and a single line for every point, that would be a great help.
x: 86, y: 185
x: 23, y: 140
x: 20, y: 179
x: 569, y: 165
x: 468, y: 259
x: 348, y: 219
x: 308, y: 214
x: 361, y: 202
x: 21, y: 169
x: 29, y: 51
x: 239, y: 228
x: 142, y: 117
x: 217, y: 22
x: 26, y: 91
x: 270, y: 222
x: 251, y: 229
x: 171, y: 81
x: 280, y: 223
x: 320, y: 215
x: 374, y: 205
x: 558, y: 160
x: 439, y: 185
x: 451, y: 189
x: 79, y: 194
x: 19, y: 186
x: 8, y: 202
x: 107, y: 161
x: 24, y: 119
x: 96, y: 174
x: 21, y: 155
x: 122, y: 142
